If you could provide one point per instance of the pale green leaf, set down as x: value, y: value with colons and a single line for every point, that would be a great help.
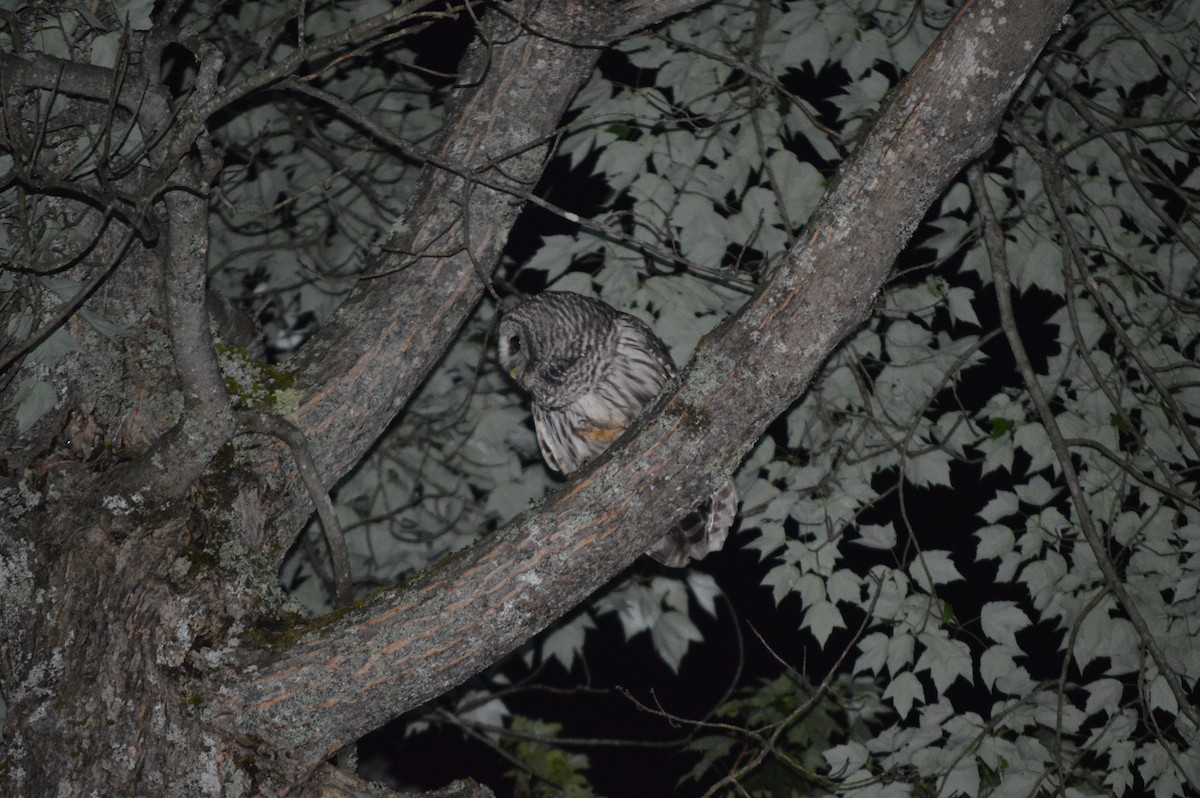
x: 1104, y: 695
x: 1003, y: 505
x: 904, y: 690
x: 565, y: 643
x: 104, y: 49
x: 874, y: 648
x: 995, y: 540
x: 933, y: 568
x: 846, y: 757
x: 1033, y: 440
x: 946, y: 660
x: 135, y: 12
x: 876, y: 536
x: 475, y: 707
x: 672, y: 634
x: 1001, y: 620
x: 821, y: 618
x: 960, y: 303
x: 963, y: 778
x: 1161, y: 696
x: 1037, y: 492
x: 113, y: 332
x: 705, y: 590
x: 929, y: 469
x: 901, y: 648
x: 783, y: 580
x: 57, y: 345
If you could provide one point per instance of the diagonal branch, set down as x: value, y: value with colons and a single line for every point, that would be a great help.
x: 409, y: 645
x: 994, y: 240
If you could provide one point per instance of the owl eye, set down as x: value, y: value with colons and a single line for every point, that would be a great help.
x: 514, y: 344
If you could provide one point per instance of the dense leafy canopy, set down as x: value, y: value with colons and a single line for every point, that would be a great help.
x: 986, y: 509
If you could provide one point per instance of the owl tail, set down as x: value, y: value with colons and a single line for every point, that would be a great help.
x: 701, y: 531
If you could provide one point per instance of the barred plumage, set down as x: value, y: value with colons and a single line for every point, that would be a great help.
x: 590, y: 370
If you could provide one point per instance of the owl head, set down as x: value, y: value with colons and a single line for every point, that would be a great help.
x: 555, y: 345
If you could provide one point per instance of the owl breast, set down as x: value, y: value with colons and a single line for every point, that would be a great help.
x: 613, y: 391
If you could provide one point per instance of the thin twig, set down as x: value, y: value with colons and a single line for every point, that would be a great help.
x: 994, y: 241
x: 1137, y: 36
x: 479, y: 177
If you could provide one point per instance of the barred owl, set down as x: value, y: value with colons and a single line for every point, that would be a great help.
x: 590, y: 370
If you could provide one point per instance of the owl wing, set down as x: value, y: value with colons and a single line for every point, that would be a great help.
x: 639, y: 367
x: 642, y: 366
x: 569, y: 439
x: 632, y: 377
x: 700, y: 532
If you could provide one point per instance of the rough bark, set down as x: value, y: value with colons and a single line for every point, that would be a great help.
x: 133, y: 660
x: 364, y: 365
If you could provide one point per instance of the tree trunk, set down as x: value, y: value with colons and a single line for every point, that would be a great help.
x: 141, y: 645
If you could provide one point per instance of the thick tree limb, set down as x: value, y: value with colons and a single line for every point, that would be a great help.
x: 180, y: 455
x: 412, y: 644
x: 41, y: 71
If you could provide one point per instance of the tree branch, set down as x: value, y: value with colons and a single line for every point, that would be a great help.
x: 36, y: 70
x: 412, y: 644
x: 994, y: 240
x: 201, y: 108
x: 180, y: 455
x: 634, y: 15
x: 13, y: 353
x: 289, y: 433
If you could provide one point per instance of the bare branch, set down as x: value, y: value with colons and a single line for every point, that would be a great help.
x: 201, y: 107
x: 179, y: 456
x: 40, y: 71
x: 290, y: 434
x: 17, y: 351
x: 994, y: 240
